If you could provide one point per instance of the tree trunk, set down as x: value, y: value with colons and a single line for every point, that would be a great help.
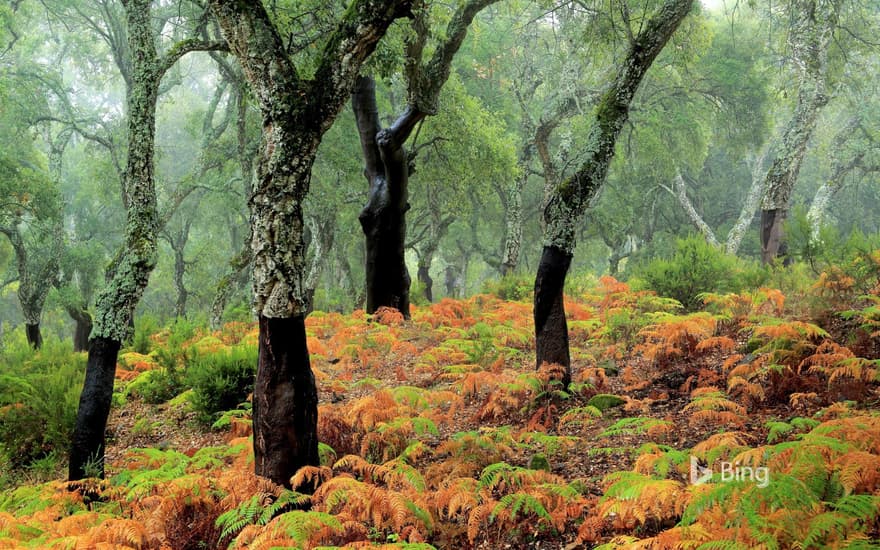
x: 285, y: 402
x: 771, y: 234
x: 568, y: 200
x: 229, y: 283
x: 34, y: 337
x: 296, y: 113
x: 813, y: 24
x: 513, y: 222
x: 383, y: 219
x: 87, y: 448
x: 551, y: 329
x: 131, y: 272
x: 82, y: 328
x: 426, y: 280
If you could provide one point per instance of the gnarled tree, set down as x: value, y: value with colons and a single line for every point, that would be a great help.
x: 812, y: 30
x: 296, y: 113
x: 387, y: 163
x: 143, y: 67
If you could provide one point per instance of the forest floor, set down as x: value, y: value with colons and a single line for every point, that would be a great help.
x: 439, y: 431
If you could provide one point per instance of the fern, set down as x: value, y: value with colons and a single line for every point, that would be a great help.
x: 633, y: 426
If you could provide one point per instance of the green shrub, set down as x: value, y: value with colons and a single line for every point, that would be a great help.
x: 38, y: 401
x: 220, y: 381
x: 511, y: 287
x: 144, y: 327
x: 696, y: 267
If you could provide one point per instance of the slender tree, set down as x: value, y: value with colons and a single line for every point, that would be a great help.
x: 812, y: 31
x: 130, y: 273
x: 568, y: 200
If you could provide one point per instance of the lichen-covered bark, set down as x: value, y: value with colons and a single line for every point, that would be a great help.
x: 37, y: 272
x: 570, y: 198
x: 295, y: 112
x: 136, y: 259
x: 840, y: 167
x: 813, y: 26
x: 747, y: 213
x: 323, y: 231
x: 116, y: 302
x: 679, y: 190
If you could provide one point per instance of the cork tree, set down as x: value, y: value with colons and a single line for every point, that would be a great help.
x: 298, y: 104
x: 812, y: 28
x: 142, y: 67
x: 387, y: 163
x: 567, y: 201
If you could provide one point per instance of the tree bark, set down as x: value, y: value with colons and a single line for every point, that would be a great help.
x: 426, y: 280
x: 34, y: 337
x: 87, y: 448
x: 131, y: 272
x: 285, y: 401
x: 383, y: 218
x: 568, y: 199
x: 82, y: 328
x: 814, y: 22
x: 551, y: 328
x: 296, y: 113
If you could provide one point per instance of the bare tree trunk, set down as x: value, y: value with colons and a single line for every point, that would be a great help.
x: 383, y: 219
x: 568, y: 200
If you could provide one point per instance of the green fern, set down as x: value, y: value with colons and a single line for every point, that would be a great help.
x: 519, y: 503
x: 257, y: 510
x: 632, y: 426
x: 300, y: 525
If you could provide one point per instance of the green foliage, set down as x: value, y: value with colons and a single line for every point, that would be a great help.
x: 39, y: 395
x: 257, y: 510
x: 515, y: 287
x: 695, y: 267
x: 144, y: 327
x: 220, y: 381
x: 605, y: 401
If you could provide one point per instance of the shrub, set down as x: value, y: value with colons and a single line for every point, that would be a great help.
x: 220, y: 381
x: 511, y: 287
x: 38, y: 403
x: 696, y: 267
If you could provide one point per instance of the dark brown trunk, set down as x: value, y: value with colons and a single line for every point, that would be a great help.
x: 87, y: 448
x: 551, y: 329
x: 426, y: 280
x: 82, y: 328
x: 383, y: 219
x: 285, y: 402
x: 34, y: 337
x: 771, y: 234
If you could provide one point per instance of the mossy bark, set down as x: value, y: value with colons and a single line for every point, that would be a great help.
x: 812, y: 30
x: 136, y: 259
x: 296, y: 112
x: 569, y: 199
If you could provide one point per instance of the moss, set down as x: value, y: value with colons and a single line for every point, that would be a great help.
x: 605, y: 401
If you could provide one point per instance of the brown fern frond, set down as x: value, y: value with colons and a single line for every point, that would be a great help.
x: 478, y: 517
x: 311, y: 475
